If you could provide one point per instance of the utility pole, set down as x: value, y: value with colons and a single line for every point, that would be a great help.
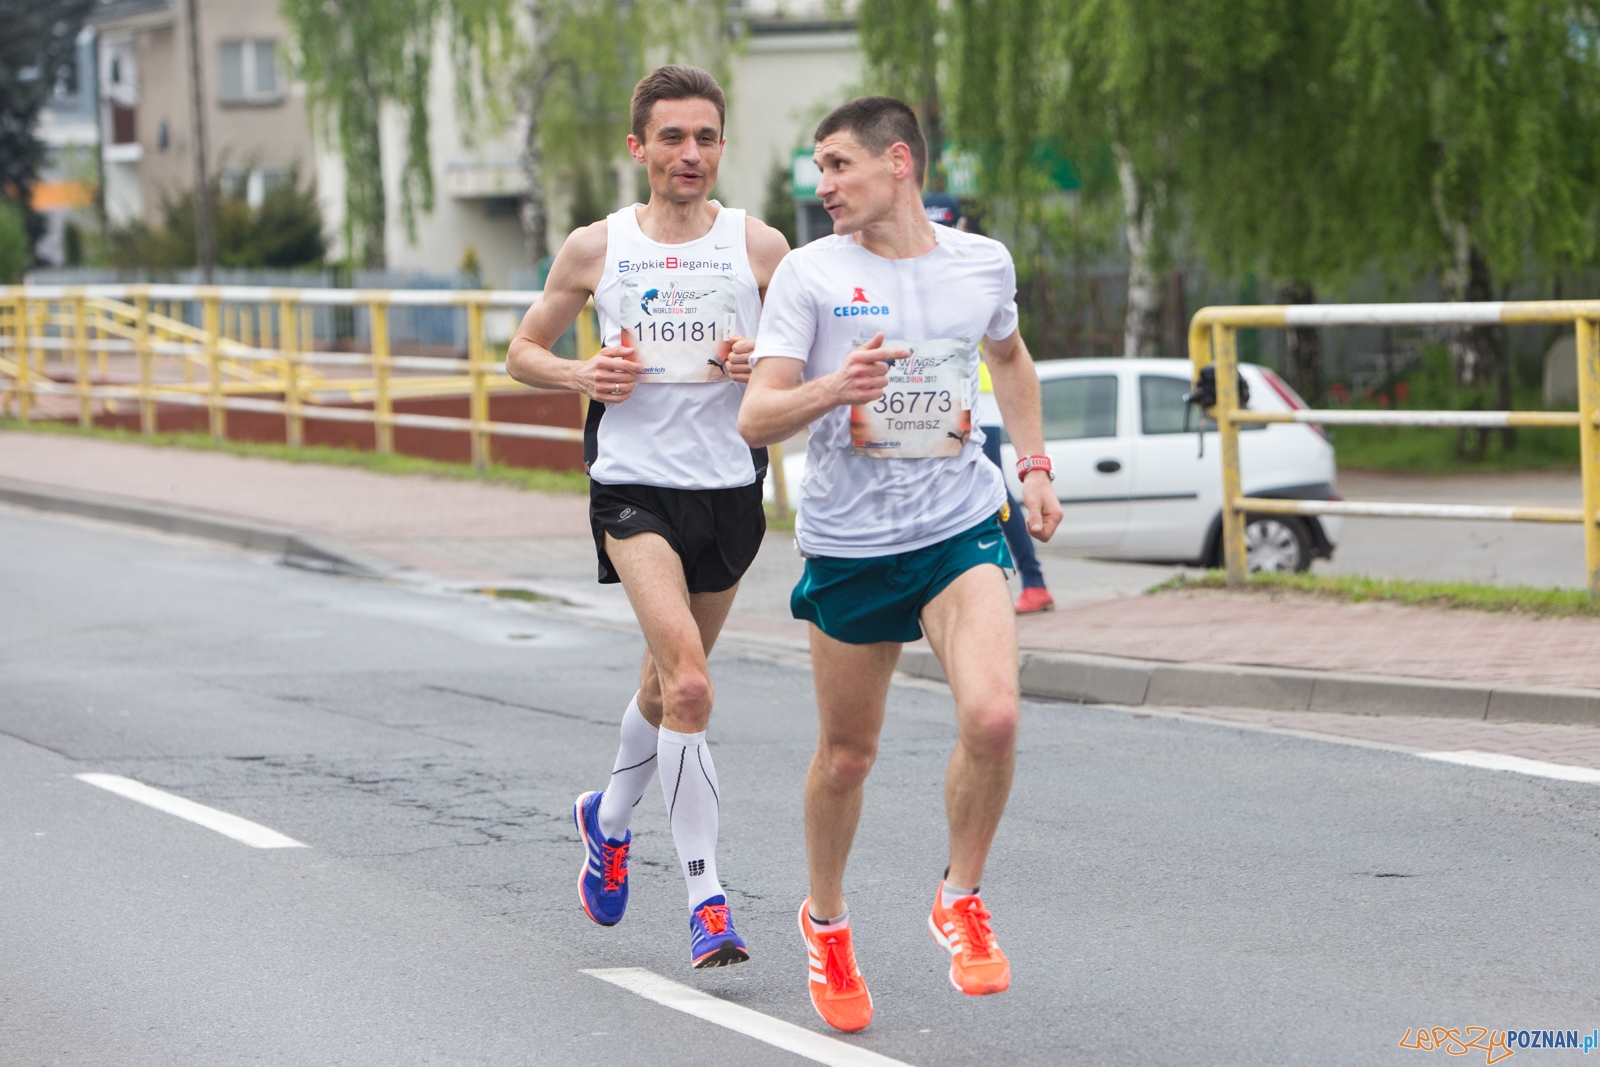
x: 205, y: 244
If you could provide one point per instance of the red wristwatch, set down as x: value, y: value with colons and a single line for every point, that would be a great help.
x: 1034, y: 463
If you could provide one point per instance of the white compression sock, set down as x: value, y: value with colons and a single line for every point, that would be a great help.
x: 636, y: 763
x: 689, y: 786
x: 948, y: 895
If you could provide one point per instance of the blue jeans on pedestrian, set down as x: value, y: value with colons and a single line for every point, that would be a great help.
x: 1016, y: 527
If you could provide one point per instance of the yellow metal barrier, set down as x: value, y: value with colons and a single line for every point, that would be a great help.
x: 1213, y: 340
x: 144, y: 326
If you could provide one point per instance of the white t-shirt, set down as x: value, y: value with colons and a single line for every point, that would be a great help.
x: 679, y: 429
x: 859, y: 499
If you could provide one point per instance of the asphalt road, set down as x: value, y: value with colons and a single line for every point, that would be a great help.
x: 1170, y: 892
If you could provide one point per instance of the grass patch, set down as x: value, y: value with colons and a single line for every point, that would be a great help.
x: 782, y: 525
x: 1517, y: 599
x: 539, y: 481
x: 1432, y: 450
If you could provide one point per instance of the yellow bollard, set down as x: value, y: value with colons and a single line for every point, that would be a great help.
x: 588, y: 345
x: 141, y: 349
x: 24, y: 358
x: 211, y: 324
x: 1589, y: 445
x: 780, y: 480
x: 80, y: 350
x: 479, y: 372
x: 588, y: 332
x: 294, y: 422
x: 382, y: 404
x: 1225, y: 358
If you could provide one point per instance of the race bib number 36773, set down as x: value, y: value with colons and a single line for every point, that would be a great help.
x: 926, y: 411
x: 679, y: 327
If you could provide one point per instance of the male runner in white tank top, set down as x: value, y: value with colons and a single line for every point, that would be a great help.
x: 898, y: 514
x: 675, y: 493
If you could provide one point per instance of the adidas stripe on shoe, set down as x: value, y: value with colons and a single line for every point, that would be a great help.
x: 603, y: 882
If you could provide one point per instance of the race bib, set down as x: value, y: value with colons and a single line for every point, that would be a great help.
x: 926, y: 412
x: 680, y: 327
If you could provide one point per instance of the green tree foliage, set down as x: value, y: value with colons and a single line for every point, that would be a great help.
x: 777, y: 209
x: 586, y: 57
x: 285, y: 231
x: 901, y: 41
x: 14, y: 243
x: 1478, y: 119
x: 356, y: 55
x: 36, y: 52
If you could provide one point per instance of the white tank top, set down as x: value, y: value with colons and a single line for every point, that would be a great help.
x: 679, y: 428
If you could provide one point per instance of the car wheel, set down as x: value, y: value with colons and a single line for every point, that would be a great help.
x: 1276, y: 544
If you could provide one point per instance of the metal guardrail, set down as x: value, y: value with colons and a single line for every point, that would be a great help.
x: 1213, y: 340
x: 268, y: 361
x: 269, y: 351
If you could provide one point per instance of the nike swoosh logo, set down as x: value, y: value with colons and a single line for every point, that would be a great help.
x: 991, y: 544
x: 721, y: 247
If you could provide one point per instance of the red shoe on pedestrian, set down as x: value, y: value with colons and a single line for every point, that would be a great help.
x: 1035, y: 598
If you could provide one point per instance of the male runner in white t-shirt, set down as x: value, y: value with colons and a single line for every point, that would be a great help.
x: 898, y: 514
x: 675, y: 493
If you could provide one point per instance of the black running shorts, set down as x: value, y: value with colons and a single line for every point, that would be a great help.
x: 715, y: 532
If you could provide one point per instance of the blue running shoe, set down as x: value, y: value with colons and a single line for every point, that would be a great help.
x: 603, y: 882
x: 712, y: 941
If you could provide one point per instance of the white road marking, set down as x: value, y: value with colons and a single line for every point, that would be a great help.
x: 251, y: 833
x: 1496, y: 761
x: 775, y: 1032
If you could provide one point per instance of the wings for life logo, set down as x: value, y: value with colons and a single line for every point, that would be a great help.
x: 671, y: 300
x: 859, y: 304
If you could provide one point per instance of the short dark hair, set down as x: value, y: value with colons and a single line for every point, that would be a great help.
x: 674, y: 82
x: 878, y: 122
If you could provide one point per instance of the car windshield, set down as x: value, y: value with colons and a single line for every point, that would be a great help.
x: 1080, y: 406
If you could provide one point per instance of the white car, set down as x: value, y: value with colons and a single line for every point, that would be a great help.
x: 1133, y: 481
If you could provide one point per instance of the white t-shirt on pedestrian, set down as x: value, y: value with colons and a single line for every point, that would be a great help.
x: 679, y: 429
x: 860, y: 497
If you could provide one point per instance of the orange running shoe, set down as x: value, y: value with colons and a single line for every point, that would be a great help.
x: 838, y: 991
x: 977, y: 966
x: 1035, y: 598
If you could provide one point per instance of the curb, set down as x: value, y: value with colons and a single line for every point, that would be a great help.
x: 1088, y: 679
x: 295, y: 549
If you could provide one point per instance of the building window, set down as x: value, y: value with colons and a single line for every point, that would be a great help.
x: 163, y: 136
x: 249, y: 72
x: 123, y: 130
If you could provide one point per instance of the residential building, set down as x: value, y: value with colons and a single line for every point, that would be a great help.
x: 257, y: 129
x: 795, y: 61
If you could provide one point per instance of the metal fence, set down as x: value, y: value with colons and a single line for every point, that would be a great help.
x: 1213, y: 341
x: 248, y: 348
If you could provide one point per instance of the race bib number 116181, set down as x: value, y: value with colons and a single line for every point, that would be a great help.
x: 680, y: 328
x: 926, y: 412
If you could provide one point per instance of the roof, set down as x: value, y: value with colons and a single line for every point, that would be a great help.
x: 109, y: 11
